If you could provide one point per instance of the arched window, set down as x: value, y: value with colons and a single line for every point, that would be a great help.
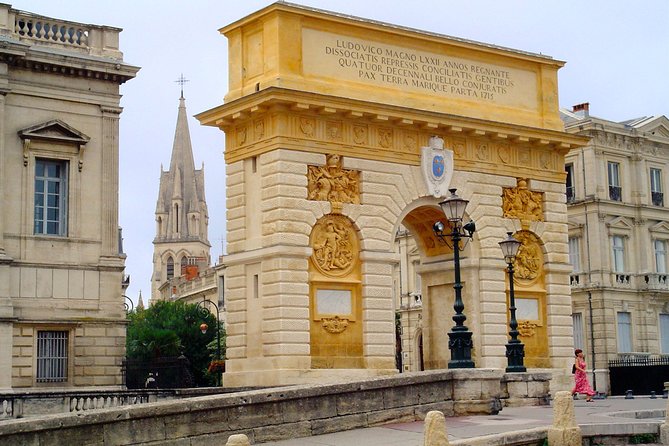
x: 170, y: 268
x: 184, y: 264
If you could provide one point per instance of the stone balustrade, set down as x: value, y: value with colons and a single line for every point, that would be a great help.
x: 19, y: 404
x: 40, y: 30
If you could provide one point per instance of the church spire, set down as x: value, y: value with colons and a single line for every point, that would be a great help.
x: 181, y: 209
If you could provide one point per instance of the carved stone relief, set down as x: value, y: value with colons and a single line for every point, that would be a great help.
x: 335, y: 245
x: 259, y: 130
x: 529, y: 262
x: 307, y: 126
x: 527, y: 329
x: 360, y: 134
x: 385, y: 137
x: 332, y: 183
x: 334, y: 325
x: 241, y: 136
x: 504, y: 154
x: 334, y: 131
x: 522, y: 203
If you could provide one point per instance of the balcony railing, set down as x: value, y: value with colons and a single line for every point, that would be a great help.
x: 571, y: 197
x: 615, y: 193
x: 656, y: 281
x: 658, y: 198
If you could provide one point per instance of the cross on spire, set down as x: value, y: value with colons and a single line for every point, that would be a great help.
x: 181, y: 81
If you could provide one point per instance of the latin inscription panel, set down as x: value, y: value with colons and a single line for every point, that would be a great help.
x: 382, y: 65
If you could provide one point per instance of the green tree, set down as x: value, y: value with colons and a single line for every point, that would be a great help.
x: 169, y: 329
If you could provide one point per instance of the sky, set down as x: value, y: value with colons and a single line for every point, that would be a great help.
x: 617, y: 55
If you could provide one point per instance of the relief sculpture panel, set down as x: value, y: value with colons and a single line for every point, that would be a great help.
x: 333, y: 183
x: 522, y: 203
x: 335, y: 245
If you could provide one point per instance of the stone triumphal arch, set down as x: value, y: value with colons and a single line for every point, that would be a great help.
x: 326, y: 119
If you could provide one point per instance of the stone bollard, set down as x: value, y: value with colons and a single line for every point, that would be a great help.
x: 435, y: 429
x: 664, y: 428
x: 564, y: 431
x: 238, y: 440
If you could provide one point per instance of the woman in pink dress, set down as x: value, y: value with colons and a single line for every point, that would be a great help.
x: 581, y: 384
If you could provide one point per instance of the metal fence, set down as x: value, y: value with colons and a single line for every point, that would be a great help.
x: 640, y: 374
x: 166, y: 373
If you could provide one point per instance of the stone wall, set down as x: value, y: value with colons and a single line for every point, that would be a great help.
x: 287, y: 412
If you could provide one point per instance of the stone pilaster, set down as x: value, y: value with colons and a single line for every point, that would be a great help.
x: 110, y: 180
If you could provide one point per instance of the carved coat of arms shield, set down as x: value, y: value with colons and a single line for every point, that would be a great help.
x: 437, y: 166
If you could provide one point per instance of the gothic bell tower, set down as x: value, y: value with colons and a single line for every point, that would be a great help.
x: 181, y: 211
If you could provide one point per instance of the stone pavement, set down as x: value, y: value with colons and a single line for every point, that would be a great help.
x: 605, y: 416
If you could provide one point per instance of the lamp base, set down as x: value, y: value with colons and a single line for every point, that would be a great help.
x: 460, y: 344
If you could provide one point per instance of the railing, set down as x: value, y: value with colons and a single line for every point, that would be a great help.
x: 47, y: 31
x: 657, y: 198
x: 571, y: 196
x: 622, y: 280
x: 656, y: 281
x: 19, y: 404
x: 575, y: 280
x: 624, y: 373
x: 615, y: 193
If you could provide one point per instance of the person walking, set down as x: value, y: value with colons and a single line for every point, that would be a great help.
x: 581, y: 384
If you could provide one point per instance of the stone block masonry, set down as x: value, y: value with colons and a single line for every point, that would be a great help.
x: 281, y: 412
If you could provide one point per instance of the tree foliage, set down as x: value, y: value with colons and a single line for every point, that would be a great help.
x: 168, y: 329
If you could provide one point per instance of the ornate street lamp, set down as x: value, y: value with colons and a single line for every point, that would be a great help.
x: 515, y: 350
x: 128, y: 304
x: 460, y: 338
x: 204, y: 312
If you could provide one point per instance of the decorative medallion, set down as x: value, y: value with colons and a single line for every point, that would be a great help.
x: 335, y: 245
x: 529, y: 262
x: 307, y: 126
x: 334, y: 325
x: 410, y: 142
x: 332, y: 183
x: 241, y: 136
x: 521, y: 203
x: 504, y: 153
x: 360, y: 134
x: 482, y: 152
x: 437, y: 166
x: 459, y: 149
x: 385, y: 137
x: 260, y: 130
x: 527, y: 329
x: 334, y: 131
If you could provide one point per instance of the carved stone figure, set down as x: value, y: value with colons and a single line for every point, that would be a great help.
x: 307, y: 126
x: 332, y: 183
x: 529, y: 261
x: 359, y: 134
x: 522, y: 203
x: 335, y: 245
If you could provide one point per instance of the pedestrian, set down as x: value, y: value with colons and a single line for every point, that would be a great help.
x: 150, y: 382
x: 581, y: 384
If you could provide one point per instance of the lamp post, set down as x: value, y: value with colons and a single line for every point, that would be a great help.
x: 128, y: 304
x: 204, y: 312
x: 460, y: 338
x: 515, y: 350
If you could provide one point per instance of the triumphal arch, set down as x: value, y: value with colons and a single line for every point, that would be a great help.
x: 326, y: 120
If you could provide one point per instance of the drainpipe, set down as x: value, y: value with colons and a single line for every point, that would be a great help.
x: 587, y: 245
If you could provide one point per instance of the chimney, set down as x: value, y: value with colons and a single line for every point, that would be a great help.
x: 582, y: 110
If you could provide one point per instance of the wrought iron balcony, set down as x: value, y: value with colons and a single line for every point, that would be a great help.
x: 571, y: 197
x: 658, y: 198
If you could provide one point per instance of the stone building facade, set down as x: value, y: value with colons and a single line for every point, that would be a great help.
x: 181, y: 246
x: 62, y: 318
x: 325, y: 120
x: 618, y: 237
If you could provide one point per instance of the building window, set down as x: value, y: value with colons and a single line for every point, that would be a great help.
x: 184, y: 264
x: 660, y: 247
x: 664, y: 333
x: 624, y: 332
x: 221, y: 292
x: 579, y: 341
x: 618, y: 244
x: 574, y: 253
x: 170, y: 268
x: 615, y: 191
x: 52, y: 349
x: 656, y: 187
x: 569, y: 169
x: 50, y: 197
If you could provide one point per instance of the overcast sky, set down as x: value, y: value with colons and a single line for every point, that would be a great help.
x: 617, y: 55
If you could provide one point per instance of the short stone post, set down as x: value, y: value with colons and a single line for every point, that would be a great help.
x: 664, y: 428
x: 238, y: 440
x: 435, y: 429
x: 564, y: 431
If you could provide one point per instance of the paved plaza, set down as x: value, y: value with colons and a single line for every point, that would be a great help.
x: 606, y: 416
